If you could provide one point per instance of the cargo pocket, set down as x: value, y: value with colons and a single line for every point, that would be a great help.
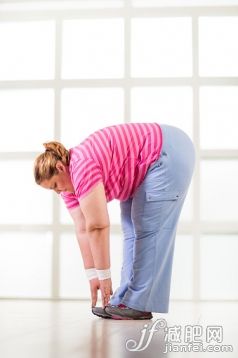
x: 160, y: 209
x: 162, y: 196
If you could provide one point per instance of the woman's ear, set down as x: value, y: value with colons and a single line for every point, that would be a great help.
x: 60, y: 166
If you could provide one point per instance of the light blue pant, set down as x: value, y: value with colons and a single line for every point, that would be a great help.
x: 149, y: 223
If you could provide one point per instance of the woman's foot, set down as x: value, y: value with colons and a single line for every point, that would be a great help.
x: 121, y: 311
x: 100, y: 312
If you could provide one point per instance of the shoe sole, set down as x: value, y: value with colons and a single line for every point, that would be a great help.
x: 117, y: 316
x: 129, y: 318
x: 102, y: 314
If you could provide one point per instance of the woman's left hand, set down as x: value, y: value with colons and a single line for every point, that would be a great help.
x: 106, y: 291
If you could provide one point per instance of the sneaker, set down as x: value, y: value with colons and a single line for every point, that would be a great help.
x: 100, y: 312
x: 121, y: 311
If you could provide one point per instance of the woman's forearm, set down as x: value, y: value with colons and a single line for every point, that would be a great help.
x: 100, y: 247
x: 85, y: 249
x: 92, y: 226
x: 82, y: 237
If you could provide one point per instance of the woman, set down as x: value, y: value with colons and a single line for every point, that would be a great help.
x: 148, y: 167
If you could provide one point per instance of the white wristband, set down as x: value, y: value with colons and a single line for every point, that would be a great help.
x: 91, y: 273
x: 103, y: 274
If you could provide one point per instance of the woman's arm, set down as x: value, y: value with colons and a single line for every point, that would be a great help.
x: 82, y: 237
x: 85, y: 249
x: 94, y: 209
x: 97, y: 225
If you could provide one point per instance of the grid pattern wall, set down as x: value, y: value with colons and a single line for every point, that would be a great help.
x: 65, y: 72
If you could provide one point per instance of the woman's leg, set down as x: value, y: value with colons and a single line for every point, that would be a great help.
x: 156, y: 207
x: 128, y: 246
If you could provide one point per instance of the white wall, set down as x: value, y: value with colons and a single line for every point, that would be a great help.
x: 69, y: 68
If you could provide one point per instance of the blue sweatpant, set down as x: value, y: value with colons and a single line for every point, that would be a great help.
x: 149, y: 222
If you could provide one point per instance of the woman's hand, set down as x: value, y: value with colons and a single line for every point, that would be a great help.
x: 106, y: 290
x: 94, y: 287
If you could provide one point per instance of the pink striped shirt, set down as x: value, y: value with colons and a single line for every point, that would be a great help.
x: 118, y: 155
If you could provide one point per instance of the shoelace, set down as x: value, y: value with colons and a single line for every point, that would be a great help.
x: 121, y: 305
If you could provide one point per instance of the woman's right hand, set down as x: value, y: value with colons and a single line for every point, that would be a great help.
x: 94, y: 287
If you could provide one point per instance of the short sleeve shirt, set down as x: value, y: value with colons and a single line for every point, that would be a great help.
x: 118, y: 156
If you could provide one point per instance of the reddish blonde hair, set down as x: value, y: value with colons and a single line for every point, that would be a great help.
x: 45, y: 163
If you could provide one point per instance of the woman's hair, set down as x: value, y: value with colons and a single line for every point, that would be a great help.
x: 45, y: 163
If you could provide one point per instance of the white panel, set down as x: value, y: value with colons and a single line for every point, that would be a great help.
x: 161, y: 47
x: 182, y: 3
x: 218, y: 46
x: 73, y: 281
x: 187, y: 210
x: 22, y: 200
x: 27, y: 50
x: 65, y: 217
x: 182, y: 271
x: 85, y: 110
x: 219, y: 267
x: 170, y: 105
x: 116, y: 253
x: 27, y: 119
x: 93, y: 48
x: 219, y: 190
x: 61, y: 5
x: 25, y: 264
x: 219, y: 113
x: 114, y: 211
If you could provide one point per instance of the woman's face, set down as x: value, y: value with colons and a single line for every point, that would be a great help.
x: 59, y: 182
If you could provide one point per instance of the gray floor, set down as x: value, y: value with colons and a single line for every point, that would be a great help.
x: 43, y: 329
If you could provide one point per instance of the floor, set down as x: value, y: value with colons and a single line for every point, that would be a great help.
x: 60, y: 329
